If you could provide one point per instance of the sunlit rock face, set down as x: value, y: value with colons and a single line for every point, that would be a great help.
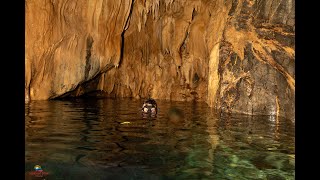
x: 257, y: 59
x: 235, y: 55
x: 70, y: 42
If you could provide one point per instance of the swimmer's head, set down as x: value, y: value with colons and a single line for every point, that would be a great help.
x: 149, y: 106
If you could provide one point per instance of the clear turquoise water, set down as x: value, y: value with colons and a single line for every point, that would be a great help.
x: 109, y: 139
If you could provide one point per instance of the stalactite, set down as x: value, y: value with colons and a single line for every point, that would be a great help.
x: 185, y: 50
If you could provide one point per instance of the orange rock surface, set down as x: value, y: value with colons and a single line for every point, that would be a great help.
x: 235, y: 55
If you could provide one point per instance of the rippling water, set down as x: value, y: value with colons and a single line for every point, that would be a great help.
x: 109, y: 139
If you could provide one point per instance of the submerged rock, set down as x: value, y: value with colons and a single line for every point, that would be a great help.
x: 175, y: 115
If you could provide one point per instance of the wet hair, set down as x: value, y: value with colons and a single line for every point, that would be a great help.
x: 150, y: 101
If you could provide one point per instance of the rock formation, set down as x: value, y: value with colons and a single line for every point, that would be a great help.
x: 236, y: 55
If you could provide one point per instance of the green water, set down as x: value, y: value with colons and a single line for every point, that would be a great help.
x: 109, y: 139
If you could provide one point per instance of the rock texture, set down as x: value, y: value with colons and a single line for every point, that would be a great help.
x: 256, y: 62
x: 236, y: 55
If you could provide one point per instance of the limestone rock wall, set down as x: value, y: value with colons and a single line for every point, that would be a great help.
x: 70, y: 41
x: 257, y: 59
x: 236, y: 55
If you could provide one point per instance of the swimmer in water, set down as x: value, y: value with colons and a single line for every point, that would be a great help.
x: 149, y: 107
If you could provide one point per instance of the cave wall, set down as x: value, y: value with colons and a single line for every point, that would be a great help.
x: 236, y: 55
x: 257, y: 59
x: 70, y: 42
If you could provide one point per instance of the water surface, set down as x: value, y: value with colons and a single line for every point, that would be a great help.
x: 109, y: 139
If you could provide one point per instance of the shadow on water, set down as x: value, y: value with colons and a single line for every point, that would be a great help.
x: 109, y: 139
